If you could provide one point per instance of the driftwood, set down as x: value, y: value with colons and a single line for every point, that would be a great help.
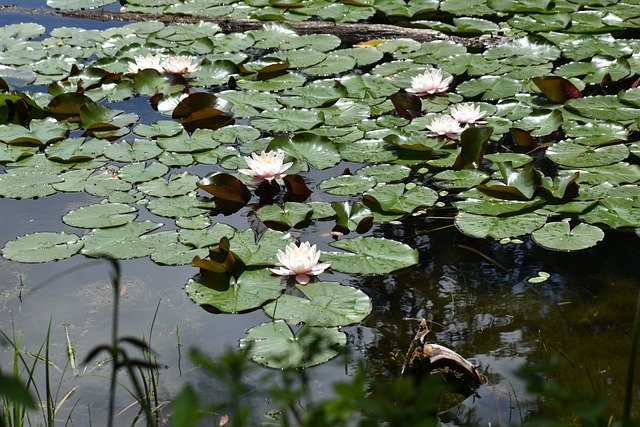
x: 424, y: 358
x: 347, y: 32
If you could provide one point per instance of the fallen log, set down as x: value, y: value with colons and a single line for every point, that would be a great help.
x: 347, y: 32
x: 425, y: 358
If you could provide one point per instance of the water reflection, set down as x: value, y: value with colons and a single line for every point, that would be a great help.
x: 579, y: 320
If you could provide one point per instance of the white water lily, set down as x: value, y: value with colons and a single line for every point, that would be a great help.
x: 445, y: 126
x: 467, y: 114
x: 144, y: 62
x: 265, y: 166
x: 429, y: 83
x: 301, y: 261
x: 180, y: 65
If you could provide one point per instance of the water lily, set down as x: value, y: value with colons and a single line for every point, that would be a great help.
x: 180, y: 65
x: 301, y: 261
x: 429, y: 83
x: 467, y: 114
x: 265, y: 166
x: 445, y: 126
x: 143, y: 62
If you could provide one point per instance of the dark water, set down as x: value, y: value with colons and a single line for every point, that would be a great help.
x: 580, y: 319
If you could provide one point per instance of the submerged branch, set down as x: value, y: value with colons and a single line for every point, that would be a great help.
x: 347, y: 32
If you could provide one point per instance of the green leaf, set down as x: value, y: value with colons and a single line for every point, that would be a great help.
x: 385, y: 173
x: 603, y: 108
x: 27, y: 183
x: 127, y: 241
x: 211, y: 236
x: 287, y: 120
x: 180, y: 206
x: 560, y: 236
x: 326, y: 304
x: 176, y: 185
x: 263, y: 252
x: 318, y: 151
x: 519, y: 183
x: 578, y: 156
x: 199, y: 140
x: 42, y: 247
x: 370, y: 255
x: 465, y: 178
x: 282, y: 218
x: 137, y: 151
x: 75, y: 149
x: 100, y: 215
x: 41, y: 132
x: 497, y: 207
x: 273, y: 344
x: 401, y: 198
x: 142, y: 172
x: 473, y: 144
x: 491, y: 87
x: 348, y: 184
x: 482, y: 226
x: 352, y: 216
x: 249, y: 291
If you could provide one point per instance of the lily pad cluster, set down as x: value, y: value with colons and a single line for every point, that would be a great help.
x: 555, y: 155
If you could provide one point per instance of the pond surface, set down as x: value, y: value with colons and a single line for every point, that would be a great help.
x: 477, y: 293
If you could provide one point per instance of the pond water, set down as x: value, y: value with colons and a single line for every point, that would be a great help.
x: 476, y: 291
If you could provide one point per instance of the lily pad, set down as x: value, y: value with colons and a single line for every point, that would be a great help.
x: 101, y: 215
x: 370, y: 255
x: 42, y: 247
x: 401, y: 198
x: 274, y: 344
x: 498, y: 227
x: 127, y: 241
x: 249, y: 291
x: 326, y: 304
x: 560, y: 236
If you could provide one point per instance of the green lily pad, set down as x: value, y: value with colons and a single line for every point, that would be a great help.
x: 101, y: 215
x: 142, y: 172
x: 274, y: 345
x: 285, y: 217
x: 465, y: 178
x: 482, y: 226
x: 401, y: 198
x: 42, y: 247
x: 201, y: 238
x: 370, y: 255
x: 28, y: 183
x: 348, y: 184
x: 138, y: 151
x: 577, y: 156
x: 252, y: 289
x: 177, y: 254
x: 40, y: 132
x: 326, y: 304
x: 491, y: 87
x: 385, y: 172
x: 184, y: 206
x: 318, y: 151
x: 75, y: 149
x: 176, y: 185
x: 199, y: 140
x: 496, y: 207
x: 127, y: 241
x: 560, y: 236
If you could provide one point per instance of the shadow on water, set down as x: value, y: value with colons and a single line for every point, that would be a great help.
x: 579, y: 321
